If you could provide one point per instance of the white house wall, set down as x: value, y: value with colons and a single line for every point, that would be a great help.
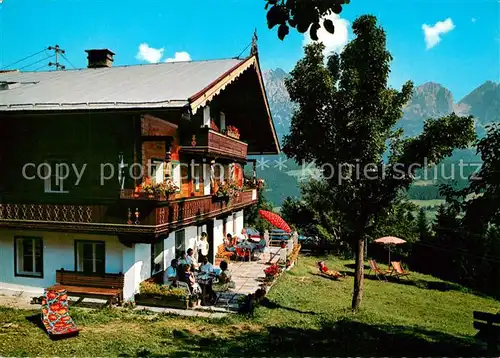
x: 168, y: 249
x: 239, y: 221
x: 218, y: 236
x: 229, y: 225
x: 58, y: 253
x: 190, y: 236
x: 136, y: 268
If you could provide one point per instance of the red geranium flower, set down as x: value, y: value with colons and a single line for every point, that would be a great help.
x: 52, y: 317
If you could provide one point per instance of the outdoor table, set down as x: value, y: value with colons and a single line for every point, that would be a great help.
x: 247, y: 246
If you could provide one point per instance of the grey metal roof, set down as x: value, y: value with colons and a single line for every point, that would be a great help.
x: 141, y: 86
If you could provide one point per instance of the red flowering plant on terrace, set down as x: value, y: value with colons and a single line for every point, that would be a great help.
x: 272, y: 270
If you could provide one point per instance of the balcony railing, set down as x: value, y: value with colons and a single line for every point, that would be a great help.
x: 126, y: 216
x: 208, y: 141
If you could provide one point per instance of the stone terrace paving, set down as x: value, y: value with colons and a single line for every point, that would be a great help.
x: 248, y: 277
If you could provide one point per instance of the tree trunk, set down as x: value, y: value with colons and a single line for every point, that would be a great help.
x: 357, y: 294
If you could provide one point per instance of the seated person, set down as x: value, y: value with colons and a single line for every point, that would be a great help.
x: 191, y: 260
x: 191, y: 280
x: 229, y: 243
x: 261, y: 245
x: 207, y: 268
x: 225, y: 276
x: 322, y: 267
x: 170, y: 274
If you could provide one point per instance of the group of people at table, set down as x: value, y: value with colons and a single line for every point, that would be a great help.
x: 199, y: 273
x: 246, y: 244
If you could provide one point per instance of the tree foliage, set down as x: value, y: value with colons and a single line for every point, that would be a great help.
x: 303, y: 15
x: 466, y: 240
x: 314, y: 217
x: 345, y: 118
x: 252, y: 217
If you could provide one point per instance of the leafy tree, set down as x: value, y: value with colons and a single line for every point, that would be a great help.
x: 345, y: 118
x: 423, y: 225
x: 302, y: 15
x: 315, y: 217
x: 252, y: 217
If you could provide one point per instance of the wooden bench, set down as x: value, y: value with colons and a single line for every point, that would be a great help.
x: 488, y: 325
x: 108, y: 286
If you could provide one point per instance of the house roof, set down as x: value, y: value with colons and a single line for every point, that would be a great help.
x: 175, y: 84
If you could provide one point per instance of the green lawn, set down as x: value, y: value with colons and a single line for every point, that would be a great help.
x: 306, y: 315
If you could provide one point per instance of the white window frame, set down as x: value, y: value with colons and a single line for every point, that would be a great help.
x: 59, y: 183
x: 157, y: 257
x: 196, y: 170
x: 176, y: 175
x: 157, y: 171
x: 20, y: 256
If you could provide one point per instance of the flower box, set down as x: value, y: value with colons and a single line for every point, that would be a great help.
x: 162, y: 301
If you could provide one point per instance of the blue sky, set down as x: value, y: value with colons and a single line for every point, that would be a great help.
x: 461, y: 58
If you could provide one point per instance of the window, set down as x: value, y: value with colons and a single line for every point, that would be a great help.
x: 157, y: 171
x: 54, y: 174
x: 176, y: 174
x: 157, y: 262
x: 196, y: 173
x: 180, y: 243
x: 28, y: 256
x: 90, y: 256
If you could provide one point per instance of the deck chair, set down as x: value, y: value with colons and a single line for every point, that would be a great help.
x: 331, y: 274
x: 377, y: 270
x: 398, y: 271
x: 55, y: 315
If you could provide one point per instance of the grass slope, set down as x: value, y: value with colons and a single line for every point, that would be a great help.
x: 306, y: 315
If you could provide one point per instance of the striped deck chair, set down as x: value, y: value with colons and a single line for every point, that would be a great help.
x: 378, y: 272
x: 398, y: 271
x: 55, y: 315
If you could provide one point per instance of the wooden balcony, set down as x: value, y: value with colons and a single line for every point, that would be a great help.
x: 141, y: 216
x: 209, y: 142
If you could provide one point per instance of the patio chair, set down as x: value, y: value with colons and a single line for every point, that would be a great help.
x: 398, y: 271
x: 377, y: 270
x: 243, y: 253
x: 331, y: 274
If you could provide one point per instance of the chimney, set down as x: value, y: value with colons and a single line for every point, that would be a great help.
x: 99, y: 58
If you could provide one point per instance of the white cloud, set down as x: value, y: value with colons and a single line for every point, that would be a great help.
x: 433, y: 33
x: 149, y: 54
x: 333, y: 42
x: 179, y: 56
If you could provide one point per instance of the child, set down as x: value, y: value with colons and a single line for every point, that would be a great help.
x: 326, y: 271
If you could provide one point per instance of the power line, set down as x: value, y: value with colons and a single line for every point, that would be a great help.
x: 21, y: 60
x: 68, y: 61
x: 34, y: 63
x: 39, y: 68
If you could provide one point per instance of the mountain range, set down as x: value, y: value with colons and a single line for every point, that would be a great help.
x: 429, y: 100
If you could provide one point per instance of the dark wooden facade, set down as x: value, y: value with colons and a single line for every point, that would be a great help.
x: 95, y: 142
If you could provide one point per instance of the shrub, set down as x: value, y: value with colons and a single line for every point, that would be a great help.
x: 149, y: 288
